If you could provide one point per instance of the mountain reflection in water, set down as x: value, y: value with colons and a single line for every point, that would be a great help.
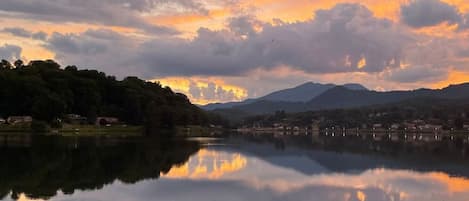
x: 245, y: 168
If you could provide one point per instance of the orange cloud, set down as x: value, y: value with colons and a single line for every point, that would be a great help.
x: 455, y: 77
x: 301, y: 10
x: 31, y: 49
x: 189, y: 23
x: 223, y: 92
x: 441, y: 30
x: 454, y: 184
x: 462, y: 5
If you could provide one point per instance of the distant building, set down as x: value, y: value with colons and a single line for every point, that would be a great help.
x: 19, y: 120
x: 75, y: 119
x: 431, y: 127
x: 2, y: 121
x: 410, y: 126
x: 102, y: 121
x: 315, y: 128
x: 395, y: 126
x: 418, y: 122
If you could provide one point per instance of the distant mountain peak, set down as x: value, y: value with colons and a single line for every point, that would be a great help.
x: 354, y: 86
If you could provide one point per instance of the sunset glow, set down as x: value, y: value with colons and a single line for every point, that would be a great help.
x: 192, y: 47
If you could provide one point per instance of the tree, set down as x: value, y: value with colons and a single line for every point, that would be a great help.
x: 459, y: 123
x: 4, y: 64
x: 19, y: 63
x: 48, y: 107
x: 46, y: 91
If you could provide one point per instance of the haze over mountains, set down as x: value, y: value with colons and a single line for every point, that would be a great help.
x: 313, y: 97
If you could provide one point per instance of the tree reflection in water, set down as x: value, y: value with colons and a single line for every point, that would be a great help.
x: 41, y: 166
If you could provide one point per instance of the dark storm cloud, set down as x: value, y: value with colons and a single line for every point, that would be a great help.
x: 10, y: 52
x: 104, y: 12
x: 422, y: 13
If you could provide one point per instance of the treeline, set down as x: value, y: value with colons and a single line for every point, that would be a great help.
x: 45, y: 91
x: 449, y: 113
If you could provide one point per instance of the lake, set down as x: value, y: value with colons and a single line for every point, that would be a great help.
x: 233, y: 168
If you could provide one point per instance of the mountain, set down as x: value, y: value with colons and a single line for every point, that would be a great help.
x: 341, y: 97
x: 301, y: 93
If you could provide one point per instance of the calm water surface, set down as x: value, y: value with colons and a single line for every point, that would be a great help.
x: 252, y: 168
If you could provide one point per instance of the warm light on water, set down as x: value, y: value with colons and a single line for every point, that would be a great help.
x: 208, y: 164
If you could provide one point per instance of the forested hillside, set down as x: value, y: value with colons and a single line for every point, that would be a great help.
x: 46, y: 91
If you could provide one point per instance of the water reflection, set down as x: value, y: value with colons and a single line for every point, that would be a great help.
x: 209, y: 164
x: 42, y: 166
x: 260, y: 168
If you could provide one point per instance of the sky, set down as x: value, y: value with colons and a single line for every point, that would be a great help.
x: 230, y: 50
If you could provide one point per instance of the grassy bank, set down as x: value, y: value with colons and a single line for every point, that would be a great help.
x: 77, y: 130
x: 115, y: 130
x: 92, y: 130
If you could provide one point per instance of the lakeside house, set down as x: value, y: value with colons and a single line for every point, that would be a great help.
x: 431, y: 127
x: 75, y: 119
x: 104, y: 121
x: 395, y: 126
x: 377, y: 126
x: 13, y: 120
x: 466, y: 126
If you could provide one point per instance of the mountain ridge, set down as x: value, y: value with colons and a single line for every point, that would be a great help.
x: 301, y: 93
x: 341, y: 97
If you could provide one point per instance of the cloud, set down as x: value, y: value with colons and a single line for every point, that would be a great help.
x: 20, y: 32
x: 424, y: 13
x: 100, y: 49
x: 322, y: 45
x: 39, y: 35
x: 204, y: 90
x: 416, y: 74
x: 126, y: 13
x: 343, y: 43
x: 244, y: 25
x: 10, y: 52
x: 212, y: 92
x: 337, y: 40
x: 464, y: 24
